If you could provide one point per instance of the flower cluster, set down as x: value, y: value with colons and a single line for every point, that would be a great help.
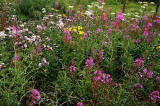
x: 67, y: 36
x: 72, y: 68
x: 155, y: 96
x: 43, y: 62
x: 145, y: 74
x: 139, y: 62
x: 89, y: 63
x: 79, y: 104
x: 101, y: 77
x: 138, y: 85
x: 35, y: 96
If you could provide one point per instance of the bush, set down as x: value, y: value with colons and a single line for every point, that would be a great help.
x: 31, y: 8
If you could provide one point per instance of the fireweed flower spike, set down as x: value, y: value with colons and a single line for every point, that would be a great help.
x: 138, y: 85
x: 80, y: 104
x: 35, y: 96
x: 89, y: 63
x: 155, y: 96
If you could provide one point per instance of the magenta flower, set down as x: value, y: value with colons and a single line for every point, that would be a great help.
x: 138, y: 85
x: 79, y: 104
x: 98, y: 30
x: 89, y: 63
x: 158, y: 20
x: 126, y: 37
x: 67, y: 37
x: 145, y: 70
x: 155, y: 96
x: 139, y: 62
x: 99, y: 76
x: 72, y: 68
x: 158, y: 78
x: 16, y: 58
x: 39, y: 27
x: 35, y: 96
x: 145, y: 33
x: 100, y: 54
x: 150, y: 73
x: 120, y: 16
x: 56, y: 5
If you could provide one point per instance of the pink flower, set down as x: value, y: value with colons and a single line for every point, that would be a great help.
x: 155, y: 96
x: 72, y: 68
x: 17, y: 58
x: 98, y: 30
x: 56, y: 5
x: 158, y: 20
x: 35, y: 96
x: 145, y: 33
x: 158, y: 78
x: 39, y: 27
x: 100, y: 54
x: 79, y: 104
x: 120, y: 16
x: 139, y: 62
x: 126, y: 37
x: 89, y: 63
x: 138, y: 85
x: 145, y: 70
x: 150, y: 73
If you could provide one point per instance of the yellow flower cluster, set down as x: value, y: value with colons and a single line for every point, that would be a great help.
x: 77, y: 29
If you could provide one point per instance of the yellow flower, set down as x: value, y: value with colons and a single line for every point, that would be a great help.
x: 79, y: 28
x: 158, y: 47
x: 81, y: 38
x: 70, y: 29
x: 80, y: 32
x: 64, y: 15
x: 75, y: 30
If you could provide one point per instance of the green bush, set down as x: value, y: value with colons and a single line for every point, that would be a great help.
x: 31, y: 8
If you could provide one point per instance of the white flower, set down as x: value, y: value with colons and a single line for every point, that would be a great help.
x: 89, y: 6
x: 2, y: 35
x: 145, y: 2
x: 143, y: 7
x: 89, y: 13
x: 140, y: 2
x: 113, y: 13
x: 60, y: 24
x: 137, y: 16
x: 152, y: 3
x: 100, y: 7
x: 71, y: 7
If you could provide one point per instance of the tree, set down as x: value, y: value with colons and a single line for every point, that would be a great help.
x: 157, y: 7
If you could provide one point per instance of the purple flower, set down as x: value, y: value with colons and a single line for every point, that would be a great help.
x: 155, y: 96
x: 35, y: 96
x: 145, y: 70
x: 138, y: 85
x: 126, y: 37
x: 150, y: 73
x: 100, y: 54
x: 17, y: 58
x: 39, y: 27
x: 79, y: 104
x: 89, y: 63
x: 139, y: 62
x: 120, y: 16
x: 158, y: 21
x: 145, y: 33
x: 56, y: 5
x: 158, y: 78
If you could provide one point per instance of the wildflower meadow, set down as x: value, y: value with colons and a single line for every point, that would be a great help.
x: 79, y: 53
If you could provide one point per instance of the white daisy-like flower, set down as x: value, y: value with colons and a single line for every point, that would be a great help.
x: 2, y: 35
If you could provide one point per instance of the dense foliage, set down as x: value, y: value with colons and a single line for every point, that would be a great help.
x: 79, y: 55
